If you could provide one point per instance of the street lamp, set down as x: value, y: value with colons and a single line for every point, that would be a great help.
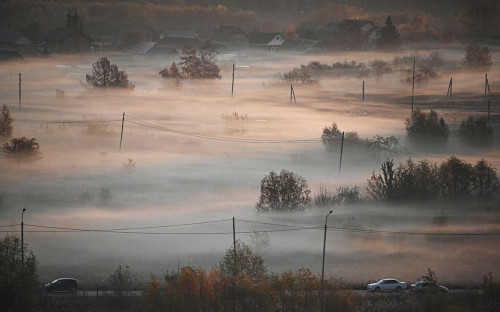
x: 323, y: 265
x: 22, y: 238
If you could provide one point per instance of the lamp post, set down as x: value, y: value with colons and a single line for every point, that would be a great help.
x: 323, y: 264
x: 22, y: 238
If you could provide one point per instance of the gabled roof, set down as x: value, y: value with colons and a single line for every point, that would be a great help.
x: 9, y: 55
x: 169, y: 43
x: 10, y: 37
x: 309, y: 26
x: 261, y: 38
x: 142, y: 47
x: 186, y: 34
x: 299, y: 44
x: 62, y: 33
x: 224, y: 33
x: 357, y: 25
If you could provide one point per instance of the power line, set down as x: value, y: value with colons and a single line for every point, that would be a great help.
x: 10, y: 225
x: 102, y: 119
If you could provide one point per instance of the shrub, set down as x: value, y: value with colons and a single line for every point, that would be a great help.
x: 86, y: 197
x: 476, y: 130
x: 244, y: 261
x: 456, y: 177
x: 348, y: 196
x: 283, y: 192
x: 383, y: 143
x: 172, y: 72
x: 129, y: 166
x: 107, y: 75
x: 22, y: 148
x: 199, y: 65
x: 332, y: 135
x: 302, y: 75
x: 380, y: 67
x: 105, y: 195
x: 5, y: 122
x: 478, y: 58
x: 424, y: 126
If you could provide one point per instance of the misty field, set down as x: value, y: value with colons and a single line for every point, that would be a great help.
x: 192, y: 154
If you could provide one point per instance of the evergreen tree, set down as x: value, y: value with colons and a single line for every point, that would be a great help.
x: 5, y: 122
x: 389, y: 36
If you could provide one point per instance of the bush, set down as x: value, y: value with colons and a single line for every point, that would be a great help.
x: 22, y: 148
x: 478, y: 58
x: 383, y: 143
x: 283, y: 192
x: 424, y: 126
x: 199, y: 65
x: 106, y: 75
x: 105, y: 195
x: 348, y: 196
x: 332, y: 135
x: 380, y: 67
x: 302, y: 75
x: 476, y: 130
x: 5, y: 122
x: 247, y: 263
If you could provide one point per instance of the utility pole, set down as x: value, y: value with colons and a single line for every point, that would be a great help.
x: 235, y: 270
x: 363, y: 90
x: 121, y: 135
x: 323, y: 266
x: 22, y: 239
x: 19, y: 92
x: 413, y: 86
x: 232, y: 85
x: 341, y: 151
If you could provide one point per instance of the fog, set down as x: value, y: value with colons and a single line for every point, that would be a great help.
x: 182, y: 178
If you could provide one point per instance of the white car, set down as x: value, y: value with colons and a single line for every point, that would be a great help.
x: 387, y: 284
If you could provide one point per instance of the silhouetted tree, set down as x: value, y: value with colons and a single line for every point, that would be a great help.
x: 22, y: 148
x: 199, y: 65
x: 478, y: 58
x: 424, y: 126
x: 121, y: 280
x: 107, y: 75
x: 478, y: 16
x: 283, y: 192
x: 485, y: 183
x: 389, y: 36
x: 476, y: 130
x: 245, y: 261
x: 456, y: 178
x: 5, y: 122
x: 18, y: 282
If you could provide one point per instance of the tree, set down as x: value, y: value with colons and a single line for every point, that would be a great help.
x: 476, y: 130
x: 426, y: 126
x: 478, y: 58
x: 22, y: 148
x: 283, y: 192
x: 199, y: 65
x: 107, y: 75
x: 244, y: 261
x: 456, y: 177
x: 5, y: 122
x: 485, y: 183
x: 478, y: 16
x: 430, y: 277
x: 121, y: 280
x: 381, y: 186
x: 389, y: 36
x: 18, y: 282
x: 331, y: 135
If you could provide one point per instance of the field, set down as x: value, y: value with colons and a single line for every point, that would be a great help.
x: 200, y: 154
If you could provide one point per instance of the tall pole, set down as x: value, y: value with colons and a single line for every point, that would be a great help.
x: 19, y: 92
x: 235, y: 270
x: 486, y: 89
x: 413, y: 86
x: 341, y: 151
x: 22, y: 239
x: 121, y: 135
x: 323, y: 264
x: 232, y: 85
x: 363, y: 90
x: 451, y: 87
x: 291, y: 91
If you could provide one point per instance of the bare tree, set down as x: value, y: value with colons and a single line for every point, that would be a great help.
x: 5, y: 122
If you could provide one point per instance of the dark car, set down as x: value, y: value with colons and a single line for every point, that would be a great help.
x: 62, y: 285
x: 424, y: 287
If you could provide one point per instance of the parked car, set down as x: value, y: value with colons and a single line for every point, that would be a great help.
x: 421, y: 287
x: 62, y: 285
x: 387, y: 284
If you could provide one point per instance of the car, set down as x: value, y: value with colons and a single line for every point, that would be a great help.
x: 62, y: 285
x: 425, y: 287
x: 387, y: 284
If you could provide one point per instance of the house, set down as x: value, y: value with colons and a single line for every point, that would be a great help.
x: 230, y: 38
x: 127, y: 33
x: 186, y: 34
x: 307, y: 30
x: 302, y: 45
x: 16, y: 41
x: 266, y: 41
x: 9, y: 55
x: 68, y: 39
x: 332, y: 37
x: 358, y: 34
x: 142, y: 48
x: 170, y: 45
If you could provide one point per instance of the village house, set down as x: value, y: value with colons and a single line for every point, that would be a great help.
x: 265, y: 41
x: 68, y: 39
x: 230, y: 38
x: 16, y: 41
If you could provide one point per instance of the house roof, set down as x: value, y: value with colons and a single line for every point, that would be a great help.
x: 357, y: 25
x: 309, y: 26
x: 142, y: 47
x: 331, y: 27
x: 224, y: 33
x: 261, y: 38
x: 62, y: 33
x: 10, y: 37
x: 9, y: 55
x: 186, y: 34
x: 169, y: 43
x: 299, y: 44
